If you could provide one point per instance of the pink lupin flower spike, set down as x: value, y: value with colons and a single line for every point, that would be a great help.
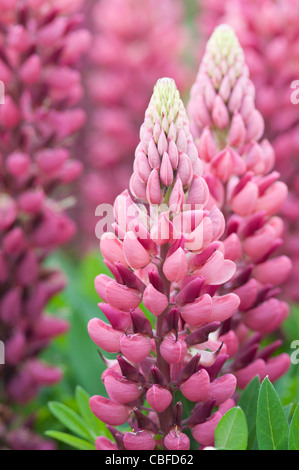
x: 169, y: 258
x: 270, y: 48
x: 228, y: 137
x: 38, y: 122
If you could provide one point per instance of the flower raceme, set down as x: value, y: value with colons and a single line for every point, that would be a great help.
x: 166, y: 259
x: 238, y: 168
x: 271, y: 52
x: 41, y: 43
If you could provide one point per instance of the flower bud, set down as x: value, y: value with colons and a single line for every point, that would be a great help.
x: 122, y: 297
x: 18, y: 164
x: 217, y: 270
x: 274, y: 271
x: 118, y: 319
x: 135, y: 347
x: 108, y: 411
x: 267, y: 316
x: 140, y: 440
x: 8, y: 211
x: 31, y: 69
x: 159, y: 398
x: 245, y: 375
x: 224, y: 307
x: 121, y: 390
x: 136, y: 256
x: 103, y: 443
x: 104, y: 335
x: 176, y: 440
x: 277, y: 366
x: 173, y: 351
x: 112, y: 248
x: 153, y: 188
x: 43, y: 374
x: 198, y: 312
x: 175, y: 266
x: 15, y: 348
x: 196, y: 388
x: 222, y: 388
x: 154, y: 301
x: 204, y: 432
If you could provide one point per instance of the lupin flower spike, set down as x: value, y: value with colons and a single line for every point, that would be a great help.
x: 271, y: 55
x: 172, y: 248
x: 38, y: 60
x: 228, y: 130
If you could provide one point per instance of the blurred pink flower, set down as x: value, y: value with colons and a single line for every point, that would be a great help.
x: 38, y: 60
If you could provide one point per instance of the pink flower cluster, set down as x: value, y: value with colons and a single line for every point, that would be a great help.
x: 268, y: 32
x: 134, y: 43
x: 166, y: 255
x: 40, y: 45
x: 16, y: 435
x: 238, y: 169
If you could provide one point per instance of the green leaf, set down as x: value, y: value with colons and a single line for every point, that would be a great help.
x: 288, y: 411
x: 232, y: 432
x: 71, y: 420
x: 248, y: 403
x: 70, y: 440
x: 272, y: 425
x: 294, y: 431
x: 98, y: 427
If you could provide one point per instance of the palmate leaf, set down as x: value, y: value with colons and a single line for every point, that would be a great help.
x: 71, y: 420
x: 84, y: 425
x: 232, y: 431
x: 272, y: 425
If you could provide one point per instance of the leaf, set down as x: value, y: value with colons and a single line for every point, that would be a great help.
x: 70, y: 440
x: 248, y: 403
x: 294, y: 431
x: 272, y: 425
x: 288, y: 411
x: 71, y: 420
x: 232, y: 432
x: 98, y: 427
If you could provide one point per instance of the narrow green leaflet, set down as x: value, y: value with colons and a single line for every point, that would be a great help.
x: 71, y: 420
x: 72, y: 441
x: 272, y: 425
x: 294, y: 431
x: 248, y: 403
x: 232, y: 432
